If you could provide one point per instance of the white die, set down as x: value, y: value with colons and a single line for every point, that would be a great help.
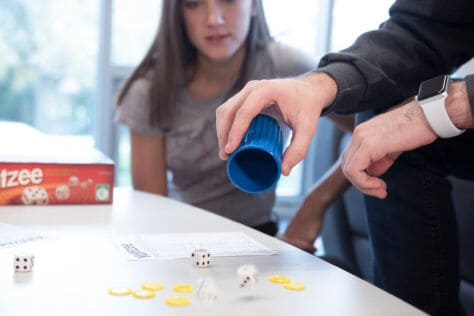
x: 206, y: 291
x: 247, y: 281
x: 247, y: 269
x: 34, y: 195
x: 201, y: 258
x: 247, y: 276
x: 23, y: 262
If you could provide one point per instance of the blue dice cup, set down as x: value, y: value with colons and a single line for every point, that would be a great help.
x: 255, y: 166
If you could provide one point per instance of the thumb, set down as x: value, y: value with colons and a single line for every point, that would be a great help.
x: 298, y: 147
x: 381, y: 166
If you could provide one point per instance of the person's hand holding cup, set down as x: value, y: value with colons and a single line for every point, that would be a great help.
x: 255, y: 166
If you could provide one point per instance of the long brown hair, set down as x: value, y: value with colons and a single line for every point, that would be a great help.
x: 172, y: 53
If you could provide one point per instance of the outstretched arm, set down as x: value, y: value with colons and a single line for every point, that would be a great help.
x: 344, y: 122
x: 307, y: 223
x: 148, y: 163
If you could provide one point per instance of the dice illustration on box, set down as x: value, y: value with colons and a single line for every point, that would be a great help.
x: 73, y: 180
x: 62, y: 192
x: 201, y: 258
x: 34, y: 195
x: 23, y: 262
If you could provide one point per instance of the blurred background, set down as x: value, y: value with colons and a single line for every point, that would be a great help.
x: 61, y: 63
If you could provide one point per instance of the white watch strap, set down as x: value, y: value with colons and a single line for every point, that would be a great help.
x: 438, y: 118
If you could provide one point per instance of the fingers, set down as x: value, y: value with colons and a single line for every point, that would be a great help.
x: 299, y: 109
x: 355, y: 162
x: 296, y: 151
x: 366, y: 184
x: 235, y: 115
x: 379, y: 167
x: 258, y: 98
x: 224, y: 118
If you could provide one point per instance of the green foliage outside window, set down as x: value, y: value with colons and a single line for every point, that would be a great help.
x: 48, y: 63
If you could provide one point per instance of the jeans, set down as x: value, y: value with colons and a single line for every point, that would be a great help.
x: 413, y: 231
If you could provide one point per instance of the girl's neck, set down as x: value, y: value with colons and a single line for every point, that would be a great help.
x: 211, y: 78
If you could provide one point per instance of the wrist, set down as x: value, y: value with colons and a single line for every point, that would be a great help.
x: 469, y: 82
x: 324, y: 86
x: 432, y: 98
x: 417, y: 124
x: 458, y: 106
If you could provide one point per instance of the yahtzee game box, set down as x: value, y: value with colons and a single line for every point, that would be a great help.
x: 39, y: 169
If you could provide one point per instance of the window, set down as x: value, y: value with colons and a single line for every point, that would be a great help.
x: 352, y: 18
x: 134, y: 23
x: 48, y: 75
x: 294, y: 22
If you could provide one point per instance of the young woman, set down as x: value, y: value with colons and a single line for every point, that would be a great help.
x: 204, y: 51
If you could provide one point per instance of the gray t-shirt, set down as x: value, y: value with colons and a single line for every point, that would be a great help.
x: 198, y: 175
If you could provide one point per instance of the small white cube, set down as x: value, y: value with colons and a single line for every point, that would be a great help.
x: 23, y: 262
x: 247, y: 269
x: 247, y: 281
x: 247, y: 276
x: 201, y: 258
x: 206, y: 291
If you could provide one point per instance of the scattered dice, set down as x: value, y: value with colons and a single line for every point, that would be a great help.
x: 247, y: 281
x: 34, y: 195
x: 23, y: 262
x: 206, y: 291
x: 201, y: 258
x: 247, y: 276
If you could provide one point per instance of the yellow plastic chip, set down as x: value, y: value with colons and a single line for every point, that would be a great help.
x: 120, y: 291
x: 177, y: 301
x: 183, y: 288
x: 295, y: 286
x: 278, y: 279
x: 143, y: 294
x: 153, y: 286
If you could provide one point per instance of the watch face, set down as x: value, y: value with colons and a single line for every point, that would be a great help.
x: 432, y: 87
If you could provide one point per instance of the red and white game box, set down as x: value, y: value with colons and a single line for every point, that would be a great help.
x: 39, y: 169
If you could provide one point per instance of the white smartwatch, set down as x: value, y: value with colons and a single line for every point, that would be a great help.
x: 431, y: 97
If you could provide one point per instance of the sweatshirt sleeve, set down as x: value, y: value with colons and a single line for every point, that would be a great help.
x: 421, y: 39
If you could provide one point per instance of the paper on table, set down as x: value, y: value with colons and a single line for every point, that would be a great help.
x: 173, y: 246
x: 11, y: 236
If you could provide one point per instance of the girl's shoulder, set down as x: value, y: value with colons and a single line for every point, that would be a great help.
x: 138, y: 89
x: 287, y: 60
